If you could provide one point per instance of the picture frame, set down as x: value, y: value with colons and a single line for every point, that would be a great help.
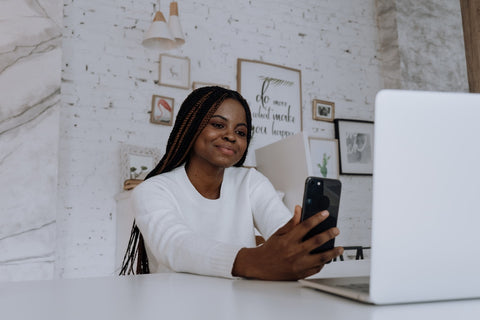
x: 174, y: 71
x: 199, y: 84
x: 162, y: 110
x: 137, y: 162
x: 355, y: 140
x: 323, y: 110
x: 274, y: 94
x: 324, y: 157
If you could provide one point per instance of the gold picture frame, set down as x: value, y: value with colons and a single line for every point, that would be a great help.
x: 162, y: 110
x: 174, y: 71
x: 323, y: 110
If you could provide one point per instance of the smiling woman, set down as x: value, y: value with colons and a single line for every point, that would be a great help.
x: 198, y: 209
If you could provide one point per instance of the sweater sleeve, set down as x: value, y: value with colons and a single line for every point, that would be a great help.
x: 269, y: 212
x: 171, y: 240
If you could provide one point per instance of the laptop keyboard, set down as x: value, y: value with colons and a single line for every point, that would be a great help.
x: 362, y: 287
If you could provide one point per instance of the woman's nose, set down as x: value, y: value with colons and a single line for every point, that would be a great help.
x: 230, y: 137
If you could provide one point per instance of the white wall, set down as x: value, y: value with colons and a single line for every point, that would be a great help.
x: 109, y: 78
x: 108, y: 82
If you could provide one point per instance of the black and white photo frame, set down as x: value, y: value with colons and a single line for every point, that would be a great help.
x: 355, y: 140
x: 323, y: 110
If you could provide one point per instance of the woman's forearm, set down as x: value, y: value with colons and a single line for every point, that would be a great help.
x: 245, y: 264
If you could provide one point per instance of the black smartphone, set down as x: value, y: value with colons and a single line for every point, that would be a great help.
x: 321, y: 194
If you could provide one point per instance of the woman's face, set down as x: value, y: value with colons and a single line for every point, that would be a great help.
x: 223, y: 141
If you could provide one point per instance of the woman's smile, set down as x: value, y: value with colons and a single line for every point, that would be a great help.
x: 226, y: 149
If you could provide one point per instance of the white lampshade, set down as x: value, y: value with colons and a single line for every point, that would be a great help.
x: 174, y: 25
x: 158, y: 36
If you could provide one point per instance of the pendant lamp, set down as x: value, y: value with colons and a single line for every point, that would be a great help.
x: 158, y: 36
x: 174, y: 25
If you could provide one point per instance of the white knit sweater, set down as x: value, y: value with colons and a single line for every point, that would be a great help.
x: 185, y: 232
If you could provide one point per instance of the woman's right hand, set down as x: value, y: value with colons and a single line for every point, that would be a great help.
x: 284, y: 256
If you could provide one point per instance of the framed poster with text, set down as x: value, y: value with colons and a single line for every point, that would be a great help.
x: 274, y: 94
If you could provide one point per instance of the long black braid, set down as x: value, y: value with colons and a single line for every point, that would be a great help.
x: 193, y: 116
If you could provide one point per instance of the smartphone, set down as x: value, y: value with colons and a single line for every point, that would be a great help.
x: 321, y: 194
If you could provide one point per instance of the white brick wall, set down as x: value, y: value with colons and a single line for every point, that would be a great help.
x: 108, y: 82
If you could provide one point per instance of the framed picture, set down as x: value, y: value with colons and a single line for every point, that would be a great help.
x: 174, y: 71
x: 162, y: 110
x: 198, y: 84
x: 324, y: 156
x: 323, y: 110
x: 355, y: 139
x: 274, y: 94
x: 137, y: 161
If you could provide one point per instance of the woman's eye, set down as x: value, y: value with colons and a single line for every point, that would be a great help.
x: 217, y: 125
x: 241, y: 133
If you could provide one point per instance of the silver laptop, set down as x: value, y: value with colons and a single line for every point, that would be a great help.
x: 426, y: 201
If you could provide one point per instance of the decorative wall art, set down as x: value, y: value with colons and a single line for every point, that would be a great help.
x: 323, y: 110
x: 137, y: 162
x: 198, y: 84
x: 324, y: 155
x: 174, y: 71
x: 274, y: 94
x: 355, y: 140
x: 162, y: 110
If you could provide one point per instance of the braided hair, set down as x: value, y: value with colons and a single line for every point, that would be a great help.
x: 193, y: 116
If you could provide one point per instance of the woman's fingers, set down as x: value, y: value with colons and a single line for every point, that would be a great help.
x: 296, y: 231
x: 319, y: 239
x: 318, y: 260
x: 303, y: 227
x: 311, y: 264
x: 292, y: 222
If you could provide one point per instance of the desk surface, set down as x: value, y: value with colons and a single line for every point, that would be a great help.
x: 184, y: 296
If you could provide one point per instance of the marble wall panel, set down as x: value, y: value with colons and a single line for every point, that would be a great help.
x: 28, y: 255
x: 431, y: 46
x: 388, y: 47
x: 30, y: 76
x: 421, y: 45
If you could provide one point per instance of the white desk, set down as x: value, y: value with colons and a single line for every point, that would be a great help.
x: 183, y: 296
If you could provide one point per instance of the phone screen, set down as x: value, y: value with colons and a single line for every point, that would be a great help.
x: 321, y: 194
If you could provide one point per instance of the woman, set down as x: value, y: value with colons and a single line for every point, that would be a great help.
x: 198, y: 208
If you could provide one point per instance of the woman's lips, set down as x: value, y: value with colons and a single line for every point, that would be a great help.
x: 226, y: 150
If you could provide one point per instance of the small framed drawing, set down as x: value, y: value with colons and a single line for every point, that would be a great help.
x: 324, y: 155
x: 323, y: 110
x: 162, y: 110
x: 355, y: 140
x: 198, y: 84
x: 174, y: 71
x: 137, y: 161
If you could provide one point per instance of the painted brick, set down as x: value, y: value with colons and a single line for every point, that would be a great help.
x: 333, y: 42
